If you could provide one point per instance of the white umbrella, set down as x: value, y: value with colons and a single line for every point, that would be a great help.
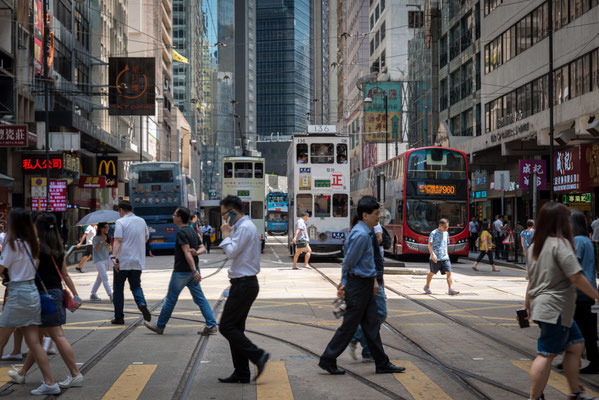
x: 99, y: 216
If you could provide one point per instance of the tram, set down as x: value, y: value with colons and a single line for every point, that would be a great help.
x: 277, y: 213
x: 244, y: 177
x: 318, y: 173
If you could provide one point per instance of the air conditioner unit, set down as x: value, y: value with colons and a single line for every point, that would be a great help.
x: 565, y: 136
x: 593, y: 127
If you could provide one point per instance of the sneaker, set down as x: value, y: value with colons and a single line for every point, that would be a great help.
x: 452, y: 292
x: 47, y: 389
x: 12, y: 357
x: 47, y: 343
x: 151, y: 326
x: 145, y: 312
x: 14, y: 375
x: 111, y: 298
x: 581, y: 396
x: 71, y: 382
x: 427, y: 290
x: 353, y: 347
x: 208, y: 331
x: 367, y: 359
x: 51, y: 351
x: 94, y: 297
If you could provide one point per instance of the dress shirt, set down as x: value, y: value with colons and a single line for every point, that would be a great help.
x: 473, y: 227
x: 206, y: 230
x: 243, y: 247
x: 497, y: 225
x: 359, y: 253
x: 379, y: 261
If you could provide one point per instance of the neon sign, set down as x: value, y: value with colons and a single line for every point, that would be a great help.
x: 437, y: 189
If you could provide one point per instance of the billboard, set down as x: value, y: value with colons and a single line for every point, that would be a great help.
x: 527, y: 168
x: 38, y: 34
x: 13, y: 136
x: 58, y: 197
x: 108, y: 167
x: 375, y: 112
x: 132, y: 82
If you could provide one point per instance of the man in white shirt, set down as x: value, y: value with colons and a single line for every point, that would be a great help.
x: 595, y: 226
x: 129, y: 259
x: 498, y: 235
x: 88, y: 237
x: 473, y: 228
x: 242, y: 246
x: 301, y: 235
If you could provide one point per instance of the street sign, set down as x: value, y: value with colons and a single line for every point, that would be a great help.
x: 502, y: 180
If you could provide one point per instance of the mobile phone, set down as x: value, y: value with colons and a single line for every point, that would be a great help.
x: 232, y: 216
x: 522, y: 314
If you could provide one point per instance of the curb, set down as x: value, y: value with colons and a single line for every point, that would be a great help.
x: 500, y: 263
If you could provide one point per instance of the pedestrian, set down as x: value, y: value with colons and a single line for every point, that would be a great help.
x: 508, y: 241
x: 52, y: 270
x: 185, y: 273
x: 207, y: 231
x: 101, y: 254
x: 359, y: 287
x: 553, y: 272
x: 128, y: 259
x: 498, y: 235
x: 88, y: 238
x: 242, y: 245
x: 380, y: 298
x: 301, y: 241
x: 584, y: 317
x: 23, y: 307
x: 439, y: 257
x: 595, y: 226
x: 473, y: 227
x: 526, y: 235
x: 486, y: 248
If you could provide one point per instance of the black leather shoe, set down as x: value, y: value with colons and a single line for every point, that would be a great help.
x: 390, y: 369
x: 118, y: 321
x: 331, y: 369
x: 590, y: 369
x: 234, y: 379
x: 145, y: 312
x: 261, y: 364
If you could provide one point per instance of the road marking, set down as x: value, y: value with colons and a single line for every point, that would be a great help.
x: 556, y: 380
x: 4, y: 378
x: 274, y: 382
x: 419, y: 385
x: 131, y: 382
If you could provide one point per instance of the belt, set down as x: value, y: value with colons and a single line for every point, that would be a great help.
x: 360, y: 276
x: 243, y: 278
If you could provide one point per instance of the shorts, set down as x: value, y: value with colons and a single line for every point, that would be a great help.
x: 88, y: 250
x: 441, y: 265
x: 556, y: 338
x: 301, y: 250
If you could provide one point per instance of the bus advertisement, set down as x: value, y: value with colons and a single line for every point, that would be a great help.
x: 277, y: 213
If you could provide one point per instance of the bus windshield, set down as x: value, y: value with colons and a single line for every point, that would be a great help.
x: 155, y: 176
x: 423, y: 215
x: 436, y: 164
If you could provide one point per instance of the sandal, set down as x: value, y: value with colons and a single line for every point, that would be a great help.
x: 474, y: 268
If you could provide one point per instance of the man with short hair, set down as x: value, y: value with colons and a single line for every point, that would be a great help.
x: 301, y: 235
x: 185, y: 273
x: 242, y: 245
x: 439, y: 259
x: 498, y: 235
x: 88, y: 237
x: 129, y: 259
x: 206, y: 232
x: 595, y: 227
x: 473, y: 228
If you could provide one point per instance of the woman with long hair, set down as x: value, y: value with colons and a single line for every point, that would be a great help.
x: 101, y: 257
x: 554, y: 274
x: 53, y: 270
x: 486, y: 247
x: 23, y: 308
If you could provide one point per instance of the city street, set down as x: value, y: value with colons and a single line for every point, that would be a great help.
x: 454, y: 347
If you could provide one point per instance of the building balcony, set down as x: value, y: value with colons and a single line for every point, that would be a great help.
x: 466, y: 88
x: 443, y: 103
x: 455, y: 95
x: 466, y: 40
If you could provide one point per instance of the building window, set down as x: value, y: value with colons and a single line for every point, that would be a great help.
x: 376, y: 13
x: 382, y: 6
x: 371, y: 46
x: 383, y: 61
x: 415, y: 19
x: 491, y: 5
x: 383, y: 29
x: 371, y: 21
x: 377, y: 38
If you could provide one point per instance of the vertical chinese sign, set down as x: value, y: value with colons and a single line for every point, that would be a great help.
x: 567, y: 170
x: 530, y: 167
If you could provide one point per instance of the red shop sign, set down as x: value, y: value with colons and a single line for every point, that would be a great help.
x: 58, y: 198
x: 567, y: 167
x: 94, y: 182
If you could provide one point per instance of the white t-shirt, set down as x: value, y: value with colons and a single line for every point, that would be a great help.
x: 379, y: 229
x: 133, y: 230
x: 91, y: 234
x: 303, y: 233
x: 17, y: 261
x: 497, y: 225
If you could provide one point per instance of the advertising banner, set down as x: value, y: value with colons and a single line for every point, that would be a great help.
x: 528, y: 168
x: 375, y: 112
x: 368, y: 154
x: 38, y: 32
x: 58, y: 198
x: 132, y: 81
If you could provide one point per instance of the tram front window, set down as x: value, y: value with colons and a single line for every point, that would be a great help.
x: 340, y: 205
x: 322, y: 153
x: 423, y: 215
x: 257, y: 210
x: 304, y: 204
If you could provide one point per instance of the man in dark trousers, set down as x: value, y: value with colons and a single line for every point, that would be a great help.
x: 206, y: 232
x: 359, y: 286
x: 242, y: 245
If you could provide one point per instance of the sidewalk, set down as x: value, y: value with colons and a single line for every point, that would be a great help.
x: 474, y: 255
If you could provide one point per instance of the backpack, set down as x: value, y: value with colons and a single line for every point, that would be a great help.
x: 386, y: 239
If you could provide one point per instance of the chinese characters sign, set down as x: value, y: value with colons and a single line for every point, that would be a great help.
x: 13, y: 136
x: 132, y: 82
x: 378, y: 130
x: 577, y: 198
x: 567, y: 170
x: 96, y: 182
x: 530, y: 167
x: 58, y: 198
x: 59, y: 162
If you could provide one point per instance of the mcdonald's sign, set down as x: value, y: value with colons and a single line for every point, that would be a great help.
x: 108, y: 167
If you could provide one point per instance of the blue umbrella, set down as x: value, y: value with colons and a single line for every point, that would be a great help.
x: 99, y: 216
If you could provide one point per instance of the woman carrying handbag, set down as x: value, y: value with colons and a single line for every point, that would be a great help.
x: 49, y: 281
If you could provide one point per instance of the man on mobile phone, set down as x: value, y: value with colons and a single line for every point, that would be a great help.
x: 185, y: 273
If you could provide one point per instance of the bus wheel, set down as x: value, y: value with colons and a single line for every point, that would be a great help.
x: 454, y: 259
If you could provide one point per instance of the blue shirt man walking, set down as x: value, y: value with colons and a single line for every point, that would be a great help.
x: 439, y: 259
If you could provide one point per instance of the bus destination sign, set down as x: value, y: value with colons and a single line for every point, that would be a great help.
x: 436, y: 189
x: 322, y: 183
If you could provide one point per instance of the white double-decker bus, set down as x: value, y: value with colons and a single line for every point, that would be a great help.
x: 319, y: 184
x: 244, y: 177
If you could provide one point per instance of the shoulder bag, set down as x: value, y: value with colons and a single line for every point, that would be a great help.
x: 67, y: 298
x: 46, y: 299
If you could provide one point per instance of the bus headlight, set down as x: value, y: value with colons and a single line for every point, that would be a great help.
x: 462, y: 241
x: 409, y: 240
x: 323, y: 237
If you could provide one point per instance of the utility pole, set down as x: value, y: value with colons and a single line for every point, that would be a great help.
x: 387, y: 131
x: 141, y: 140
x: 425, y: 126
x: 46, y: 101
x: 550, y: 19
x: 534, y: 195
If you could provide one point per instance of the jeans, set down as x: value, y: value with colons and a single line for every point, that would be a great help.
x: 489, y: 254
x: 134, y: 278
x: 178, y: 281
x: 381, y: 313
x: 587, y: 323
x: 102, y: 277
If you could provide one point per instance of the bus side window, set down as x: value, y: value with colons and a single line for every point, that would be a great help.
x: 228, y: 170
x: 258, y: 170
x: 304, y: 204
x: 399, y: 218
x: 340, y: 205
x: 243, y: 170
x: 322, y: 153
x: 302, y: 153
x: 322, y: 206
x: 341, y: 153
x: 257, y: 210
x: 246, y: 208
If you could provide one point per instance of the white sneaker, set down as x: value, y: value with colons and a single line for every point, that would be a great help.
x: 353, y: 347
x: 71, y: 382
x: 47, y: 389
x: 47, y: 343
x: 51, y: 351
x: 14, y: 375
x: 12, y: 357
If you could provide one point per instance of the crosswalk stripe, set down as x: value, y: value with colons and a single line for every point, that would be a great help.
x: 273, y: 384
x: 556, y: 380
x: 131, y: 382
x: 418, y: 383
x: 4, y: 378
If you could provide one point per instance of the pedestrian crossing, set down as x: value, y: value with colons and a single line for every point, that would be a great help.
x: 556, y: 380
x: 131, y: 382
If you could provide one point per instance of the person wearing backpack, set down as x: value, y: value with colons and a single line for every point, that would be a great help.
x: 485, y: 244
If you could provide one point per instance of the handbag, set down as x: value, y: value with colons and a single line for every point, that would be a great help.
x: 46, y: 299
x: 300, y: 244
x: 67, y: 297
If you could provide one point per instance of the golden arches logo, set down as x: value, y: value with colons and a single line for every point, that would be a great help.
x: 107, y: 165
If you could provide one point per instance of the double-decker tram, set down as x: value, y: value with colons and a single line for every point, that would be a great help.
x: 319, y: 183
x: 418, y: 188
x: 277, y: 213
x: 156, y: 190
x: 244, y: 177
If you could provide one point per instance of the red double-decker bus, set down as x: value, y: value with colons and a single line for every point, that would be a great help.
x: 418, y: 188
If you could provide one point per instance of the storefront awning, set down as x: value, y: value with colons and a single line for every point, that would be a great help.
x: 6, y: 181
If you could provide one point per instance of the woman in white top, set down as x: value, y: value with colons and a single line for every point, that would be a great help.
x: 23, y: 307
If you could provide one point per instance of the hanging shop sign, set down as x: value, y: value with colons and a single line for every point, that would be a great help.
x: 13, y: 136
x: 566, y: 164
x: 530, y: 167
x: 58, y: 162
x: 58, y: 197
x: 108, y: 167
x: 480, y: 179
x: 132, y: 81
x: 93, y: 182
x: 576, y: 198
x: 377, y: 129
x: 481, y: 194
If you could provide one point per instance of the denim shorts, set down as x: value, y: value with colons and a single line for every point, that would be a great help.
x: 441, y: 265
x: 556, y: 338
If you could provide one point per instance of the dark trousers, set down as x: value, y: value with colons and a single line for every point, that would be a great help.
x: 232, y: 324
x: 587, y: 322
x: 489, y: 254
x: 361, y: 310
x: 118, y: 288
x: 498, y: 246
x: 206, y: 240
x: 473, y: 237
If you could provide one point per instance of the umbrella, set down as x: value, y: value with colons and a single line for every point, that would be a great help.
x: 99, y: 216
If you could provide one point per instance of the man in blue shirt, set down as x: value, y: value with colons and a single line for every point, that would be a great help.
x: 206, y: 232
x: 439, y: 260
x: 359, y: 287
